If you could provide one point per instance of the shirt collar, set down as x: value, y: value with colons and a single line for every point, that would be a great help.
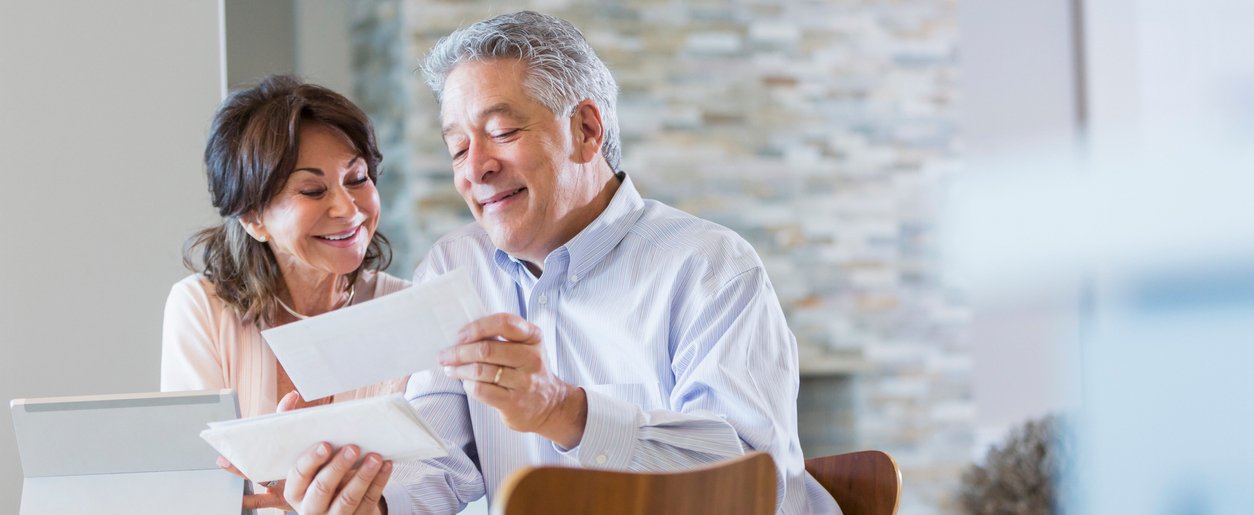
x: 596, y: 240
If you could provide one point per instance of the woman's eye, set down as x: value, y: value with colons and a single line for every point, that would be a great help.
x: 312, y: 193
x: 458, y: 154
x: 359, y: 180
x: 505, y: 134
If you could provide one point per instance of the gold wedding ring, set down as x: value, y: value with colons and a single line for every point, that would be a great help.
x: 497, y: 380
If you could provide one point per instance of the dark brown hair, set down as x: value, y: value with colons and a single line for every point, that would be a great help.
x: 252, y: 149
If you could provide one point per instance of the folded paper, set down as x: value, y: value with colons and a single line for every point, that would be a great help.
x: 264, y: 448
x: 372, y: 342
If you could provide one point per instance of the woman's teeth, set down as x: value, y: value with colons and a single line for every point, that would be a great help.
x: 345, y: 236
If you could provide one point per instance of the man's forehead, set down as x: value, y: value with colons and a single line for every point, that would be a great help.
x: 476, y: 88
x: 482, y: 112
x: 479, y: 78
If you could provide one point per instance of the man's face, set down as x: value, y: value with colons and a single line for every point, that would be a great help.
x: 513, y: 159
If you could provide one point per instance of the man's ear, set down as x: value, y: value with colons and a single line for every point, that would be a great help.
x: 588, y: 132
x: 253, y: 226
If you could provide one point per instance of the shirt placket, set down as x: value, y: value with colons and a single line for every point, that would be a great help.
x: 541, y: 311
x: 544, y: 315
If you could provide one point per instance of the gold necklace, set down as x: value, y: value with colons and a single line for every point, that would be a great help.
x: 351, y: 290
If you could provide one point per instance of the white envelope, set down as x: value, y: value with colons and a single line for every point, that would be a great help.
x: 265, y: 447
x: 388, y: 337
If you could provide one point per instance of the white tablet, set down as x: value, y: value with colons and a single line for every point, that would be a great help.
x: 128, y: 453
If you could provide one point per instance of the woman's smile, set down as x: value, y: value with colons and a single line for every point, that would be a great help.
x: 343, y: 239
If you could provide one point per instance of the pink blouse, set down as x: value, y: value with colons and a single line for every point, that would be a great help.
x: 204, y: 345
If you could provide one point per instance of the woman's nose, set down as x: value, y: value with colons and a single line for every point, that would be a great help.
x: 343, y: 204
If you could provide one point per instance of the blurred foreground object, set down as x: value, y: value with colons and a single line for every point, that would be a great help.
x: 862, y: 482
x: 1022, y: 475
x: 745, y: 485
x: 1161, y: 242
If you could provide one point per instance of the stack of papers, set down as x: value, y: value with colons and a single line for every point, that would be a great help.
x: 388, y: 337
x: 264, y: 448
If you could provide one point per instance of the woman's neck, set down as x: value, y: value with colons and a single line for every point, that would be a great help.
x: 311, y: 293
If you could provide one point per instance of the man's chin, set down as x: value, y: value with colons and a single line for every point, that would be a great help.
x: 508, y: 241
x: 502, y: 239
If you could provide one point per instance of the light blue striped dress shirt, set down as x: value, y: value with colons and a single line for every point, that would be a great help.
x: 670, y: 325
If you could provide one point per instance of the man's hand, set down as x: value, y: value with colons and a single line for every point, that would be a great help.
x: 326, y: 482
x: 500, y: 362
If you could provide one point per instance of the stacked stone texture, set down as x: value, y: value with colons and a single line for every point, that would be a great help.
x: 819, y: 131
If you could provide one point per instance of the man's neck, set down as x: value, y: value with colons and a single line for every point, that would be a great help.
x: 585, y: 216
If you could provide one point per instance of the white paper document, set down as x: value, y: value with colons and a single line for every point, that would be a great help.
x: 388, y: 337
x: 264, y: 448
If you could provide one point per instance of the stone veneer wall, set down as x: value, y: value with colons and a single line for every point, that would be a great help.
x: 817, y: 130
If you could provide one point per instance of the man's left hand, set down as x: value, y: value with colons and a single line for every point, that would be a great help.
x: 501, y: 363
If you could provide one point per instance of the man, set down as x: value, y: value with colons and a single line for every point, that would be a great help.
x: 628, y: 335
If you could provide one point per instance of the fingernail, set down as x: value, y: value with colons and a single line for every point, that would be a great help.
x: 372, y: 461
x: 222, y: 462
x: 350, y: 453
x: 323, y: 450
x: 448, y: 371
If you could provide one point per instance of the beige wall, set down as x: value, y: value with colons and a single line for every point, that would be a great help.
x: 104, y: 107
x: 306, y: 37
x: 260, y: 40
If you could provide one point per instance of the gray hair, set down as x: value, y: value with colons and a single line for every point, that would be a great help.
x: 562, y: 68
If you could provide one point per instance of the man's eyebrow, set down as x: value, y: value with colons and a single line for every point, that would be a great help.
x: 502, y: 108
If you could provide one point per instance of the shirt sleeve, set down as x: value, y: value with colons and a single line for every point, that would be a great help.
x: 447, y: 484
x: 189, y: 350
x: 736, y: 380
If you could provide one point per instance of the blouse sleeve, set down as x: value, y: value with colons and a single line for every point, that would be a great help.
x: 189, y: 350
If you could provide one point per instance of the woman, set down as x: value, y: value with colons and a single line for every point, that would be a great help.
x: 292, y: 169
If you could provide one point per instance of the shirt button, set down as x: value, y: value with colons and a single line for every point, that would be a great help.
x: 574, y: 278
x: 544, y: 299
x: 601, y: 459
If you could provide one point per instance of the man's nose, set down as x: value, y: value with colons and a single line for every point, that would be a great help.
x: 481, y: 163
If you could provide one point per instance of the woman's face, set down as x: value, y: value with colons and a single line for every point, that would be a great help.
x: 323, y: 218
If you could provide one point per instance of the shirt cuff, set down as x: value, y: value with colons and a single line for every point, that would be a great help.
x: 398, y: 499
x: 609, y: 437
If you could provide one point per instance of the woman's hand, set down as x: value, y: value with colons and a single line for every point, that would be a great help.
x: 273, y: 498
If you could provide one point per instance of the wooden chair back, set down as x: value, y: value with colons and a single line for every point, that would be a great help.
x: 863, y: 483
x: 740, y: 486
